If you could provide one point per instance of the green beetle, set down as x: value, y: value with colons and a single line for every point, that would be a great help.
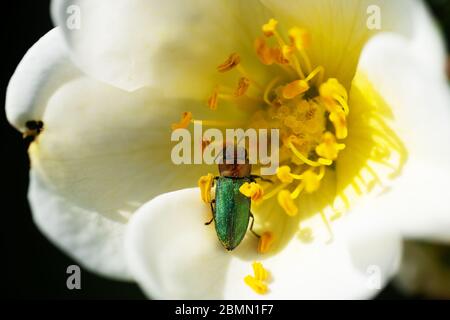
x: 231, y: 210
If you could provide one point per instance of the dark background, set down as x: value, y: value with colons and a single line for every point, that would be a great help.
x: 35, y: 268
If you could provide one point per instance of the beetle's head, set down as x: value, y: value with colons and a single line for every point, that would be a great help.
x: 235, y: 162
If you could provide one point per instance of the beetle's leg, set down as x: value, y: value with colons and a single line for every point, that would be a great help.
x: 213, y: 211
x: 253, y: 178
x: 251, y: 226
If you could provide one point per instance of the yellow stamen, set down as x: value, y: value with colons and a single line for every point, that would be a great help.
x: 266, y: 55
x: 186, y: 118
x: 329, y: 148
x: 333, y: 90
x: 340, y: 124
x: 257, y: 285
x: 233, y: 60
x: 269, y: 28
x: 287, y: 51
x: 265, y: 242
x: 274, y: 191
x: 312, y: 180
x: 298, y: 190
x: 306, y: 60
x: 259, y: 271
x: 284, y: 174
x: 319, y: 70
x: 300, y: 38
x: 295, y: 88
x: 252, y: 190
x: 205, y: 185
x: 332, y: 87
x: 311, y: 163
x: 243, y: 86
x: 269, y: 88
x: 343, y: 103
x: 286, y: 202
x: 213, y: 100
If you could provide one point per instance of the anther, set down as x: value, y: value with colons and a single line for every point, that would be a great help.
x: 329, y: 148
x: 265, y: 242
x: 269, y: 28
x: 186, y: 118
x: 213, y: 100
x: 252, y: 190
x: 243, y: 86
x: 295, y: 88
x: 233, y: 60
x: 205, y: 185
x: 259, y: 271
x: 257, y: 285
x: 300, y: 38
x: 287, y: 203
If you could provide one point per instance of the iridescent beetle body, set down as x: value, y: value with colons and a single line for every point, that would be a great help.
x: 231, y: 209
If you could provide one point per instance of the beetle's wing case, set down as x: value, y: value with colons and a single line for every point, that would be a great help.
x: 232, y: 211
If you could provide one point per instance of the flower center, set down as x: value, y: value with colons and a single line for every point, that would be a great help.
x: 313, y: 116
x: 309, y: 113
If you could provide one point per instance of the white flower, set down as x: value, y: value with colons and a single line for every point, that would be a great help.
x: 108, y: 92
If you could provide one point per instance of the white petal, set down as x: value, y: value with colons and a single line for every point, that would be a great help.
x: 103, y: 152
x: 43, y: 69
x: 173, y: 255
x: 92, y: 240
x: 135, y: 43
x: 419, y: 98
x: 339, y: 28
x: 109, y: 150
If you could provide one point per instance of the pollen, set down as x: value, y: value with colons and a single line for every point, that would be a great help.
x: 186, y: 118
x: 233, y: 60
x: 205, y: 184
x: 252, y: 190
x: 265, y: 242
